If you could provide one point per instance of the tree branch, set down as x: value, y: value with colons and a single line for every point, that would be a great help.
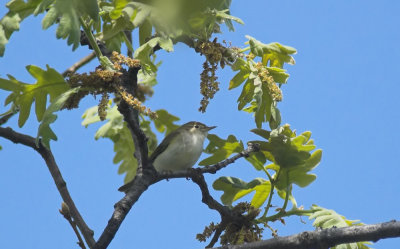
x: 139, y: 184
x: 144, y: 178
x: 214, y: 168
x: 326, y: 238
x: 47, y: 155
x: 79, y: 64
x: 129, y: 83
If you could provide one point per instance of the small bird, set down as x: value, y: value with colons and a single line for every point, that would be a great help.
x: 179, y: 150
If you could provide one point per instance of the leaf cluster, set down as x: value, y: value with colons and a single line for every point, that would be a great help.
x: 262, y: 80
x: 327, y: 218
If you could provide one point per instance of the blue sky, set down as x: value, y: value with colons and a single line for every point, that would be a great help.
x: 343, y: 88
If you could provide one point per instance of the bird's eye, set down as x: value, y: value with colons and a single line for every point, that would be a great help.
x: 196, y: 126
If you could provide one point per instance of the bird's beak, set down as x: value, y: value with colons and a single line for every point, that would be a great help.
x: 210, y: 128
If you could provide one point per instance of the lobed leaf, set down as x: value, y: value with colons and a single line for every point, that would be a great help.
x: 45, y: 133
x: 116, y: 130
x: 328, y: 218
x: 49, y: 82
x: 235, y: 188
x: 238, y: 79
x: 18, y: 11
x: 221, y: 149
x: 165, y: 122
x: 261, y: 132
x: 278, y: 74
x: 143, y: 52
x: 257, y: 159
x: 291, y: 156
x: 67, y: 15
x: 274, y: 53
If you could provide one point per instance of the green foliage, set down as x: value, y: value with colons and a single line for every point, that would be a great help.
x: 67, y: 14
x: 221, y: 149
x: 327, y: 218
x: 143, y: 52
x: 235, y: 188
x: 116, y: 130
x: 165, y: 122
x: 260, y: 89
x: 49, y: 82
x: 290, y: 155
x: 18, y: 10
x: 274, y: 53
x: 45, y: 133
x: 292, y: 160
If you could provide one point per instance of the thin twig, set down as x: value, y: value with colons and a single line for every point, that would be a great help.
x: 326, y: 238
x: 214, y: 168
x: 6, y: 117
x: 47, y: 155
x: 207, y: 198
x: 221, y: 227
x: 72, y: 69
x: 67, y: 215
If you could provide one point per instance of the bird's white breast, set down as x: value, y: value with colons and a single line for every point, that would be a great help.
x: 182, y: 154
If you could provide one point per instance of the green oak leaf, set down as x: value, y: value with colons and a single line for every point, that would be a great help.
x: 257, y: 159
x: 262, y: 133
x: 221, y: 148
x: 278, y: 74
x: 67, y: 15
x: 119, y: 6
x: 45, y: 133
x: 328, y: 218
x: 165, y: 122
x: 224, y: 14
x: 116, y: 130
x: 241, y: 64
x: 49, y: 82
x: 235, y: 188
x: 264, y: 103
x: 299, y: 174
x: 288, y: 149
x: 124, y: 149
x: 144, y: 51
x: 247, y: 94
x: 290, y: 155
x: 18, y: 11
x: 238, y: 79
x: 145, y: 31
x: 274, y: 53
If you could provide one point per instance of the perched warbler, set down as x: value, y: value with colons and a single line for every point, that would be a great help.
x: 179, y: 150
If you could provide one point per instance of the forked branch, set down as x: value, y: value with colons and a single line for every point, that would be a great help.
x: 48, y: 157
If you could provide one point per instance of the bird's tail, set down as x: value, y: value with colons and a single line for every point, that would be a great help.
x: 124, y: 188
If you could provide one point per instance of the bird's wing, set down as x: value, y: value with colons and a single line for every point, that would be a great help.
x: 163, y: 145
